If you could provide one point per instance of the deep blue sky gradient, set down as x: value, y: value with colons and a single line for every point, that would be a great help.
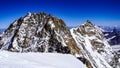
x: 73, y: 12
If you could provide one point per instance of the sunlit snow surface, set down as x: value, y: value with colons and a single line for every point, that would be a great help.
x: 38, y: 60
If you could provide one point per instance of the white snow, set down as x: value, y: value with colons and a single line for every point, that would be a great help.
x: 51, y: 23
x: 89, y: 51
x: 100, y: 29
x: 106, y: 34
x: 63, y: 42
x: 111, y: 38
x: 38, y: 60
x: 116, y: 48
x: 15, y: 44
x: 28, y: 16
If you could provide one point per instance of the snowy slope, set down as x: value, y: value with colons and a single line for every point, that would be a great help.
x: 38, y: 60
x: 94, y: 47
x: 116, y: 48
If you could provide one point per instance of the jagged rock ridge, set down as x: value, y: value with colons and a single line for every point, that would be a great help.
x: 40, y: 32
x: 94, y: 46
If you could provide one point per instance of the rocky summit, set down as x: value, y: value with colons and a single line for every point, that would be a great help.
x: 41, y: 32
x: 94, y: 46
x: 38, y: 33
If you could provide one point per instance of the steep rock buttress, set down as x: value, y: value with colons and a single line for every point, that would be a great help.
x: 38, y: 32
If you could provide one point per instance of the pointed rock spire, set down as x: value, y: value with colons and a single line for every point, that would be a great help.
x: 89, y: 23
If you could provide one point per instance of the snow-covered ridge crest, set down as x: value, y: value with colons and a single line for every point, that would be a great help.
x: 94, y: 47
x: 41, y: 32
x: 39, y: 60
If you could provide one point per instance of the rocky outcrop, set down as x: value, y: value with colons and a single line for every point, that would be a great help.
x: 41, y: 32
x: 38, y: 33
x: 94, y: 47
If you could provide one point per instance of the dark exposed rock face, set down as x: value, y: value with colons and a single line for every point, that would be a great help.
x: 38, y: 32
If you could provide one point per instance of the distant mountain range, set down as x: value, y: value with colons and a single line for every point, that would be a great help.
x: 113, y: 36
x: 110, y: 28
x: 1, y: 30
x: 106, y: 28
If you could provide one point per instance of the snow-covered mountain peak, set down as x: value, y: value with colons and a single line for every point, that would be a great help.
x: 94, y: 47
x: 41, y: 32
x: 89, y: 23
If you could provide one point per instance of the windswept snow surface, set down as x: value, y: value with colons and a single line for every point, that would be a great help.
x: 38, y: 60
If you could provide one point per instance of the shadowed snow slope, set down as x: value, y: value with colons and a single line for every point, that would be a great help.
x: 38, y: 60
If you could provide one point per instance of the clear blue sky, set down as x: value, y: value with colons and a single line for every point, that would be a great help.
x: 73, y: 12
